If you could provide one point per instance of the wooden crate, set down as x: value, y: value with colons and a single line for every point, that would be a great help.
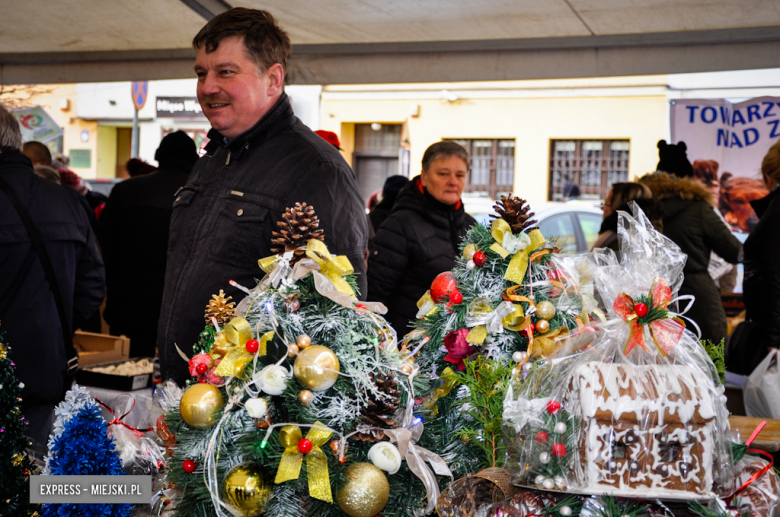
x: 100, y: 348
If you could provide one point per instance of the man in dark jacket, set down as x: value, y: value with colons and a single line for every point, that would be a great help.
x: 27, y: 308
x: 260, y: 160
x: 420, y: 239
x: 134, y: 239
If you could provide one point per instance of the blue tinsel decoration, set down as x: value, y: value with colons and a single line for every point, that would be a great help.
x: 84, y: 448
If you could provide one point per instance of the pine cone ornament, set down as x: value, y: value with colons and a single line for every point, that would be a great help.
x: 298, y: 226
x: 515, y: 211
x: 220, y: 307
x: 379, y: 410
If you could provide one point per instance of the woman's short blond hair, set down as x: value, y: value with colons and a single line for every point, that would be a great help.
x: 770, y: 166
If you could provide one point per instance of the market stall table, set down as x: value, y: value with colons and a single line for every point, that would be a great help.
x: 769, y: 438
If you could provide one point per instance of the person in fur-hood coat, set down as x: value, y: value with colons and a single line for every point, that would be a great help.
x: 689, y: 219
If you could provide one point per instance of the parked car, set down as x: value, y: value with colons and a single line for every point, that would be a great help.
x: 572, y: 226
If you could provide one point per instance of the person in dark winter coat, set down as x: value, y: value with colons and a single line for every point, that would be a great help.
x: 421, y: 237
x: 673, y: 159
x: 390, y: 190
x: 28, y: 311
x: 689, y: 219
x: 761, y: 284
x: 260, y: 160
x: 134, y: 239
x: 618, y: 199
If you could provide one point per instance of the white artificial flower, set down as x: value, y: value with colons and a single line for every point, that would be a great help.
x: 272, y: 379
x: 385, y: 456
x: 257, y: 408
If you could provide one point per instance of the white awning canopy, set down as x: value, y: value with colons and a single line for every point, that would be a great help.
x: 391, y: 41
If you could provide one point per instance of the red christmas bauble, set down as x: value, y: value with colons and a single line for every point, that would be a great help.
x: 558, y: 450
x: 252, y: 346
x: 201, y: 369
x: 456, y: 297
x: 202, y: 380
x: 541, y: 437
x: 443, y: 286
x: 479, y: 258
x: 640, y: 309
x: 553, y: 407
x: 304, y: 446
x: 189, y: 466
x: 529, y: 330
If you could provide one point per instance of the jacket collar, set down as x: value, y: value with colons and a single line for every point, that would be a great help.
x: 280, y: 116
x: 760, y: 205
x: 14, y: 158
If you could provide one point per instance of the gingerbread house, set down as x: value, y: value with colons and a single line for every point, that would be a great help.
x: 644, y: 428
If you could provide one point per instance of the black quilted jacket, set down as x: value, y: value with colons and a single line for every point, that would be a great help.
x: 417, y: 242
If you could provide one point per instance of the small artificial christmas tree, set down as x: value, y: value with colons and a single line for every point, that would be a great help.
x: 15, y: 465
x: 80, y: 446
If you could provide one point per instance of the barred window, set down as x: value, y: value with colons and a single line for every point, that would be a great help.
x: 592, y: 165
x: 492, y: 167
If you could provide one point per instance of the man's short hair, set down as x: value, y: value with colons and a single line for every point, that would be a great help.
x: 10, y: 132
x: 266, y: 42
x: 444, y: 149
x: 37, y: 152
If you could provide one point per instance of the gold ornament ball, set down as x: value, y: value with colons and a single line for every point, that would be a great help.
x: 310, y: 368
x: 545, y: 310
x: 200, y: 404
x: 292, y: 351
x: 468, y: 251
x: 542, y: 326
x: 305, y: 397
x: 303, y: 341
x: 407, y: 369
x: 246, y: 490
x: 546, y: 346
x: 365, y: 492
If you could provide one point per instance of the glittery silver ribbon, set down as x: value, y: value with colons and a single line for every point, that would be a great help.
x: 493, y: 319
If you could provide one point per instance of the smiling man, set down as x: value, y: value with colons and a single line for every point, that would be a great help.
x: 260, y: 160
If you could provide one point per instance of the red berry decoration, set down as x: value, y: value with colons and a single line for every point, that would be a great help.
x: 304, y: 446
x: 479, y: 258
x: 456, y: 297
x: 558, y: 450
x: 443, y: 286
x: 640, y: 309
x: 202, y: 380
x: 201, y: 369
x: 529, y: 330
x: 553, y: 407
x: 252, y: 346
x: 541, y: 437
x: 189, y: 466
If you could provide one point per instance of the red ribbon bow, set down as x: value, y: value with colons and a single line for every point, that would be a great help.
x: 665, y: 330
x: 118, y: 419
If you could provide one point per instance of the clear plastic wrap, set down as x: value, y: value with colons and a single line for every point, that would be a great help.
x: 632, y: 405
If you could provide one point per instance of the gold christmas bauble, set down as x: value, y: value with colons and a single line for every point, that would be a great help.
x: 305, y: 397
x: 542, y: 326
x: 468, y: 251
x: 545, y: 346
x: 246, y: 490
x: 200, y: 405
x: 310, y: 366
x: 292, y: 350
x: 545, y: 310
x: 365, y: 492
x: 303, y: 341
x: 407, y: 369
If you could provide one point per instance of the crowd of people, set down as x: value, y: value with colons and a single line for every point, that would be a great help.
x: 168, y: 238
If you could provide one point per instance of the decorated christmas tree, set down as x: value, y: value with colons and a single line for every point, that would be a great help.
x: 504, y: 304
x: 303, y: 403
x: 80, y: 445
x: 15, y: 465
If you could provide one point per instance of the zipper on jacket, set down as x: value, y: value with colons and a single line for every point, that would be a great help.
x: 227, y: 160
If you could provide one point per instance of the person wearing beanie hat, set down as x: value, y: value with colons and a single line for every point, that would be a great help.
x: 381, y: 211
x: 133, y: 233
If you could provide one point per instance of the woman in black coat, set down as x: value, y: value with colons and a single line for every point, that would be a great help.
x: 761, y: 284
x: 420, y: 238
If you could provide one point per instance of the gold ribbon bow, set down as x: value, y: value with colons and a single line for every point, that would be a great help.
x: 448, y: 377
x: 425, y: 305
x: 502, y: 233
x: 333, y: 267
x: 316, y: 462
x: 487, y: 320
x: 229, y: 343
